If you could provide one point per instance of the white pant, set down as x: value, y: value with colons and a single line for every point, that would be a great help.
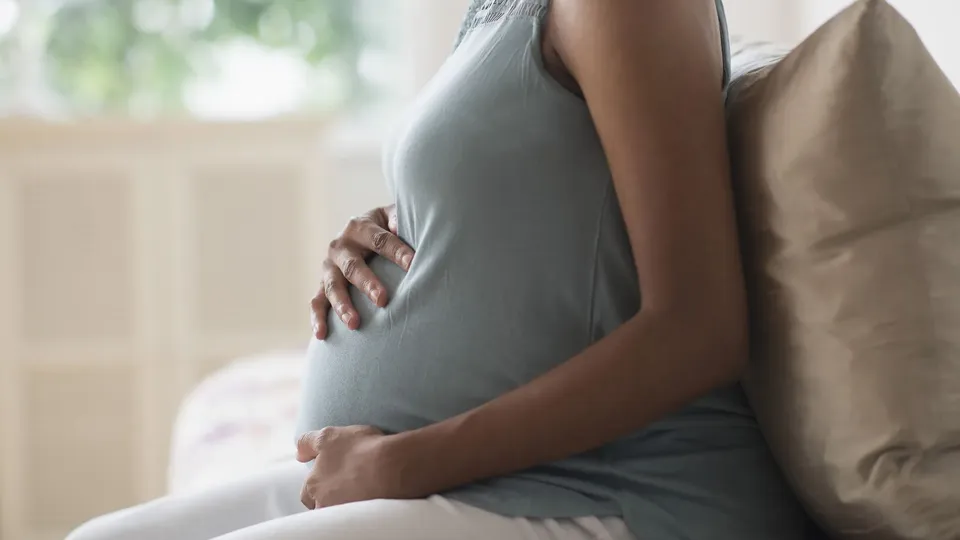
x: 266, y: 506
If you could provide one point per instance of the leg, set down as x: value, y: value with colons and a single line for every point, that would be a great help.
x: 262, y: 496
x: 435, y: 518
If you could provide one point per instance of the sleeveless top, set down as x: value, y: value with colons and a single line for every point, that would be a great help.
x: 522, y: 261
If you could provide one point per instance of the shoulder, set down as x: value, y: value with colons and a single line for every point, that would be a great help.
x: 580, y: 30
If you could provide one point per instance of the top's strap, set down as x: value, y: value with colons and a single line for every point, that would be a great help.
x: 470, y: 15
x: 475, y: 6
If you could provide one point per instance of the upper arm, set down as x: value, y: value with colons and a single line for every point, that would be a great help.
x: 651, y: 74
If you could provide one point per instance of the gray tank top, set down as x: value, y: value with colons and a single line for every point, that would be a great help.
x: 523, y: 261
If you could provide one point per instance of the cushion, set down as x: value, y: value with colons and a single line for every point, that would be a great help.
x: 846, y: 157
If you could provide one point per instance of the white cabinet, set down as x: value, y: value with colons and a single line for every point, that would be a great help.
x: 135, y: 259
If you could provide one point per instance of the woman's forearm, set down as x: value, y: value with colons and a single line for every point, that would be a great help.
x: 648, y: 368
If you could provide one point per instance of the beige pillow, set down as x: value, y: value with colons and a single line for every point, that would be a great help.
x: 847, y: 168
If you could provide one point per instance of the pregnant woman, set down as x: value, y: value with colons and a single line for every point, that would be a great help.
x: 498, y: 374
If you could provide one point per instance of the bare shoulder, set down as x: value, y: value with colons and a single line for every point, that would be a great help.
x: 573, y: 25
x: 650, y: 72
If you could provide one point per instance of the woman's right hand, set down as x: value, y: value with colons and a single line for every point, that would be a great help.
x: 374, y: 233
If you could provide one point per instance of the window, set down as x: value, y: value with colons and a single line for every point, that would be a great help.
x: 219, y: 59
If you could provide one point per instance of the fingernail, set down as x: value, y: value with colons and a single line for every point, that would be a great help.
x: 347, y: 317
x: 375, y: 295
x: 341, y: 308
x: 406, y: 260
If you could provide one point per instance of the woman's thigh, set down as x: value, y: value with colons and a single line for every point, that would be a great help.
x: 436, y: 518
x: 255, y: 498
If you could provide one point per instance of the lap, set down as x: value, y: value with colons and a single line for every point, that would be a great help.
x: 435, y: 518
x: 266, y: 505
x: 251, y: 499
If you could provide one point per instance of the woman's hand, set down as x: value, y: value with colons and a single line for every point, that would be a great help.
x: 372, y: 233
x: 352, y: 464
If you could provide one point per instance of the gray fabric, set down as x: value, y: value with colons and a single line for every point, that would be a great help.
x: 522, y: 262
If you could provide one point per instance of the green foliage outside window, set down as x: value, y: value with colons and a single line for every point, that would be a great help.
x: 101, y: 55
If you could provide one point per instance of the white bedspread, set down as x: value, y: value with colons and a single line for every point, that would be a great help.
x: 241, y: 418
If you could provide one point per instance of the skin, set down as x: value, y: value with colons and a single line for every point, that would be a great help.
x: 664, y: 138
x: 374, y: 233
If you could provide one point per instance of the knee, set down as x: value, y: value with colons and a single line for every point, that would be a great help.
x: 88, y: 531
x: 108, y: 527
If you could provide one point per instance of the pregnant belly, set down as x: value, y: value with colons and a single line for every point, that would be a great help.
x: 433, y: 352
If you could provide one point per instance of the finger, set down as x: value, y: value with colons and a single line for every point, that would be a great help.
x: 307, y: 446
x: 356, y: 271
x: 391, y: 213
x: 310, y: 443
x: 335, y: 289
x: 320, y: 307
x: 367, y: 234
x: 306, y: 499
x: 369, y: 430
x: 390, y: 246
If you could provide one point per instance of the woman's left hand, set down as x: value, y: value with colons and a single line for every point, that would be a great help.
x: 352, y: 464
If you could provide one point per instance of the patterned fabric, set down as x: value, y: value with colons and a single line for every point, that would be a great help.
x: 241, y: 418
x: 472, y: 10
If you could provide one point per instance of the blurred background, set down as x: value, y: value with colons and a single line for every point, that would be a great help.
x: 170, y: 173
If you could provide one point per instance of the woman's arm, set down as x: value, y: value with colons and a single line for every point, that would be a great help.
x: 650, y: 72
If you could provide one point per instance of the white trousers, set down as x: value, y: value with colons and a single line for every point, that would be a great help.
x: 266, y: 506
